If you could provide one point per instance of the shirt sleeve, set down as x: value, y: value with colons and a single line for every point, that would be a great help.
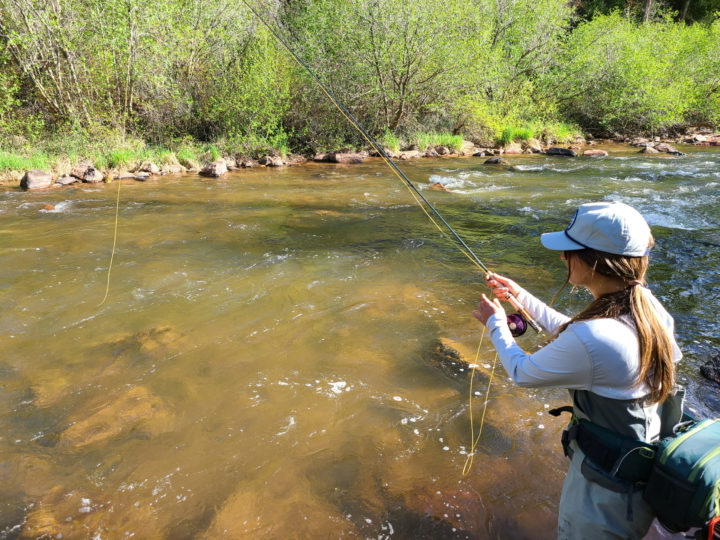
x: 563, y: 363
x: 543, y: 314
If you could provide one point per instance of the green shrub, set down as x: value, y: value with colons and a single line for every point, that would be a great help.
x: 511, y: 134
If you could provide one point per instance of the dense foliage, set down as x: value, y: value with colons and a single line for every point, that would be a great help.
x: 173, y: 71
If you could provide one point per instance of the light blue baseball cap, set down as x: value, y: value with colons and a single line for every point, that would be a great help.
x: 612, y: 227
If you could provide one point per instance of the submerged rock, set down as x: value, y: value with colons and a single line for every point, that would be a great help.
x: 595, y: 153
x: 36, y: 179
x: 558, y: 151
x: 711, y: 369
x: 135, y: 409
x: 648, y: 150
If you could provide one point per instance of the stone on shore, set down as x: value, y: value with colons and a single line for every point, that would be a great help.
x: 595, y: 153
x: 648, y: 150
x: 135, y: 409
x: 512, y: 148
x: 409, y: 154
x: 496, y: 160
x: 271, y: 161
x: 442, y: 150
x: 36, y: 179
x: 559, y: 151
x: 431, y: 153
x: 214, y: 169
x: 534, y: 146
x: 87, y: 173
x: 249, y: 164
x: 345, y: 157
x: 66, y: 180
x: 320, y: 157
x: 92, y: 176
x: 148, y: 167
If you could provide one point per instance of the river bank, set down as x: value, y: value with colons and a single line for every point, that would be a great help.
x: 41, y: 172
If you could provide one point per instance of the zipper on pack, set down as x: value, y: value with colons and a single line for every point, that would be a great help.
x: 682, y: 438
x: 700, y: 464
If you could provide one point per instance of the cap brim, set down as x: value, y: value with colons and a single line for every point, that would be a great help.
x: 559, y: 241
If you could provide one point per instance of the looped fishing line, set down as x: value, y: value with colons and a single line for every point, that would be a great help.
x: 474, y: 440
x: 112, y: 253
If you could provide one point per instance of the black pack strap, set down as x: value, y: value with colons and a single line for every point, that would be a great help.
x: 559, y: 410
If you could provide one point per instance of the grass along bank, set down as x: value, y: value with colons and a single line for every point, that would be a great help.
x: 114, y: 155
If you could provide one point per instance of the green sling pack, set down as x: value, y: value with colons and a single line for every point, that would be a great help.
x: 684, y: 483
x: 679, y: 475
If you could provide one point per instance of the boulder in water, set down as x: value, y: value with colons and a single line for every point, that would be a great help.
x: 496, y: 160
x: 558, y: 151
x: 36, y: 179
x: 711, y: 369
x: 595, y: 153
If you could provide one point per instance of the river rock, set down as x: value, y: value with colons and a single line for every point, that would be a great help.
x: 496, y: 160
x: 483, y: 153
x: 271, y: 161
x: 172, y: 168
x: 345, y: 157
x: 79, y: 170
x: 230, y: 163
x: 696, y: 138
x: 640, y: 141
x: 66, y: 180
x: 249, y: 164
x: 668, y: 149
x: 512, y: 148
x: 409, y: 154
x: 320, y: 157
x: 558, y: 151
x: 595, y: 153
x: 92, y: 176
x: 431, y: 153
x: 36, y: 179
x: 467, y: 148
x: 296, y: 159
x: 137, y: 408
x: 442, y: 150
x: 148, y: 167
x: 438, y: 187
x: 533, y: 145
x: 711, y: 369
x: 648, y: 150
x: 214, y: 169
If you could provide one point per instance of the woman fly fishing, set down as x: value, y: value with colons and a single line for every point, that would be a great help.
x: 616, y: 357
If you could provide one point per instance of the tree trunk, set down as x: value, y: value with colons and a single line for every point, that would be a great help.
x: 683, y: 13
x: 647, y: 9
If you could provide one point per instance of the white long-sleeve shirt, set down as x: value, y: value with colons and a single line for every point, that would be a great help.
x: 599, y: 355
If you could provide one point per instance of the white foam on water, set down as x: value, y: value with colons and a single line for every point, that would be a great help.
x: 58, y: 208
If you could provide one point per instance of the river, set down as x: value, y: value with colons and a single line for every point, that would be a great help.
x: 265, y: 363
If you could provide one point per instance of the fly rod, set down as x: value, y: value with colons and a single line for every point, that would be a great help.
x: 515, y: 323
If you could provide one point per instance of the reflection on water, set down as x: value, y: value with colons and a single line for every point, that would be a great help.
x: 266, y: 363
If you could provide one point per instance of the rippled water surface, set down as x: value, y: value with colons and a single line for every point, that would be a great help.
x: 266, y: 365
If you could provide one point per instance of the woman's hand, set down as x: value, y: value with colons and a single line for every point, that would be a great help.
x: 487, y: 309
x: 501, y: 286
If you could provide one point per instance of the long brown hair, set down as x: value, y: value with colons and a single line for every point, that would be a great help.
x: 657, y: 368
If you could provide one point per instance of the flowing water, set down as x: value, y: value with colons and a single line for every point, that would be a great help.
x: 266, y: 366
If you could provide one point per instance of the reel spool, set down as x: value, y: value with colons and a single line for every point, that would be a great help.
x: 517, y: 324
